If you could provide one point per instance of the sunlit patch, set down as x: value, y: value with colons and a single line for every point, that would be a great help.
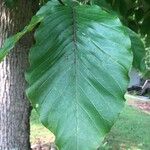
x: 37, y: 105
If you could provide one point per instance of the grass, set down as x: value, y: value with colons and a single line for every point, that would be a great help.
x: 130, y: 132
x: 38, y: 132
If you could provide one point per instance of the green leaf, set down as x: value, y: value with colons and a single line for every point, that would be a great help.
x: 10, y: 3
x: 10, y: 42
x: 79, y: 74
x: 122, y: 6
x: 146, y: 24
x: 139, y: 14
x: 146, y: 68
x: 103, y: 4
x: 148, y: 2
x: 138, y: 49
x: 69, y: 2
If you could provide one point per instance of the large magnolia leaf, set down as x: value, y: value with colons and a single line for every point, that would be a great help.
x: 79, y: 74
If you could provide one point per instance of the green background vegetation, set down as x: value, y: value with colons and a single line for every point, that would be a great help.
x: 130, y: 132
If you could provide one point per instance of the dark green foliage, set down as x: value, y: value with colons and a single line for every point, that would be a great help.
x: 10, y: 3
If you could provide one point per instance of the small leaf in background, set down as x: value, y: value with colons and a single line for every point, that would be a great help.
x: 146, y: 24
x: 10, y: 3
x: 10, y: 42
x: 147, y: 1
x: 138, y: 49
x: 146, y: 68
x: 103, y: 4
x: 139, y: 14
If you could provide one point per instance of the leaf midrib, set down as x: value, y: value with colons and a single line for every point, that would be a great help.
x: 75, y: 64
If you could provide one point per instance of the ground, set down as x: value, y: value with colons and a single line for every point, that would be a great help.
x: 130, y: 132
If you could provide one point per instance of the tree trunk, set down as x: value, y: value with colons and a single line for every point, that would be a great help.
x: 14, y: 108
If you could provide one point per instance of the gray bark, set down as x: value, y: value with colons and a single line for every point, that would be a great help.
x: 14, y: 108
